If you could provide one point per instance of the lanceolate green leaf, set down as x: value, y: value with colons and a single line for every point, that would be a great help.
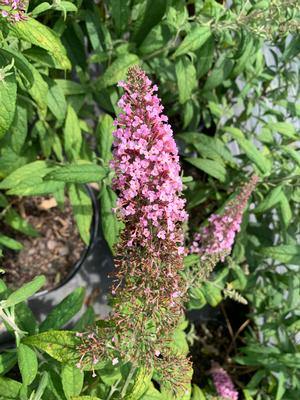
x: 60, y: 345
x: 193, y: 40
x: 262, y: 163
x: 9, y: 389
x: 28, y: 363
x: 10, y: 243
x: 72, y: 380
x: 153, y: 13
x: 104, y: 136
x: 83, y: 211
x: 272, y: 198
x: 8, y: 95
x: 20, y: 62
x: 211, y: 167
x: 72, y: 134
x: 289, y: 254
x: 110, y: 224
x: 64, y: 311
x: 117, y: 70
x: 40, y: 35
x: 186, y: 78
x: 29, y: 174
x: 7, y: 361
x: 78, y: 173
x: 24, y: 292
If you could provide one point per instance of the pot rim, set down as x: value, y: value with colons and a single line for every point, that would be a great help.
x: 85, y: 252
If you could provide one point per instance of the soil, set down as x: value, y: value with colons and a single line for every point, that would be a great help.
x: 219, y: 339
x: 52, y: 253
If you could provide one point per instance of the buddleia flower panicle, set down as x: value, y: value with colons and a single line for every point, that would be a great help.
x: 223, y: 383
x: 13, y: 10
x: 148, y: 289
x: 216, y: 240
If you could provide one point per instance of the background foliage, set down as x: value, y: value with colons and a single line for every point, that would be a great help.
x: 228, y: 77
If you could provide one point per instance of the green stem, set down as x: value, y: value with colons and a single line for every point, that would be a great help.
x: 128, y: 379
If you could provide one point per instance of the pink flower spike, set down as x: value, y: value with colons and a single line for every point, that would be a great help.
x: 223, y: 383
x: 115, y: 361
x: 157, y: 353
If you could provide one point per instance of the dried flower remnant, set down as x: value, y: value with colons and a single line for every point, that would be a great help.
x: 13, y: 10
x: 223, y: 383
x: 218, y: 237
x: 148, y: 289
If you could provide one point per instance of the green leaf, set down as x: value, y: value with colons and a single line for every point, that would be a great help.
x: 104, y: 136
x: 154, y: 11
x: 42, y: 386
x: 64, y: 311
x: 40, y: 189
x: 193, y: 40
x: 197, y: 393
x: 117, y: 70
x: 70, y: 88
x: 197, y: 299
x: 272, y: 198
x: 281, y: 386
x: 212, y: 294
x: 39, y: 90
x: 15, y: 221
x: 285, y: 128
x: 288, y: 254
x: 29, y: 174
x: 110, y: 224
x: 56, y: 101
x: 18, y: 131
x: 244, y: 52
x: 24, y: 292
x: 219, y: 73
x: 10, y: 243
x: 60, y: 345
x: 72, y: 134
x: 85, y: 320
x: 40, y: 9
x: 190, y: 260
x: 78, y: 173
x: 142, y: 380
x: 40, y: 35
x: 28, y: 364
x: 85, y: 398
x: 247, y: 395
x: 8, y: 96
x: 7, y: 361
x: 294, y: 154
x: 120, y: 11
x: 285, y: 209
x: 205, y: 57
x: 263, y: 164
x: 72, y: 380
x: 186, y: 78
x: 211, y: 167
x: 9, y: 389
x: 152, y: 394
x: 20, y: 63
x: 82, y: 209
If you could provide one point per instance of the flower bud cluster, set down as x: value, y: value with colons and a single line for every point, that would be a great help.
x: 218, y: 237
x: 13, y: 10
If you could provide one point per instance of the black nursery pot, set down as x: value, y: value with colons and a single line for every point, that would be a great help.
x: 89, y: 272
x: 87, y: 250
x: 42, y: 302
